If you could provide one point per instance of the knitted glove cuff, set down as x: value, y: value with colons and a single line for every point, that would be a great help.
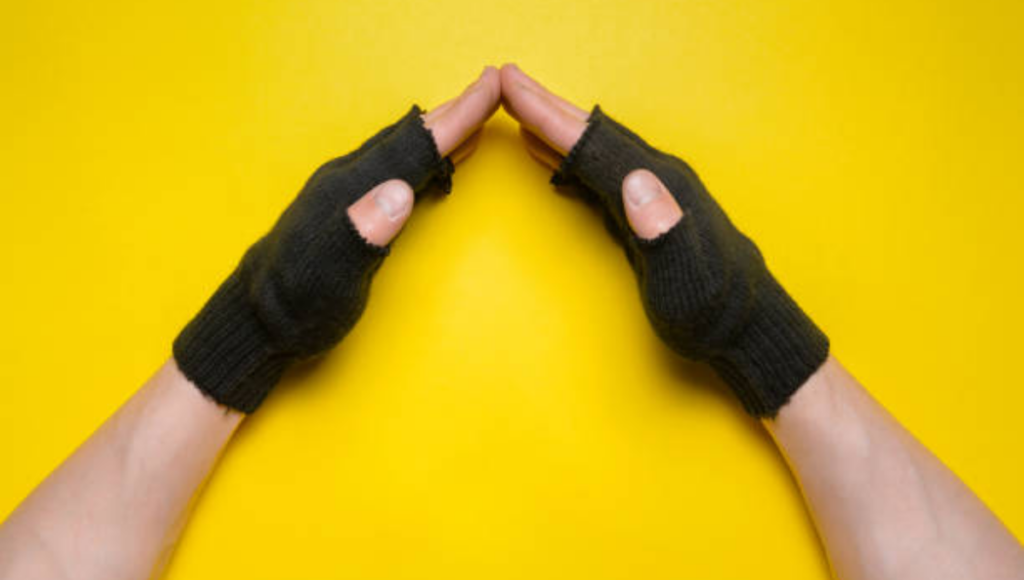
x: 226, y: 350
x: 774, y: 354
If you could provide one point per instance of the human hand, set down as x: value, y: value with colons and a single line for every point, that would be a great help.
x: 301, y: 288
x: 704, y: 285
x: 551, y: 125
x: 455, y: 124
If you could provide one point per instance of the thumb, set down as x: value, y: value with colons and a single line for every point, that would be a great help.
x: 650, y: 207
x: 380, y: 214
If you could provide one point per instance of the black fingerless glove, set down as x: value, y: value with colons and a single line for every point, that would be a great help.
x: 301, y: 288
x: 704, y: 284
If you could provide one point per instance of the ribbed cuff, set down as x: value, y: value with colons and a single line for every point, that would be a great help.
x: 777, y: 351
x: 225, y: 350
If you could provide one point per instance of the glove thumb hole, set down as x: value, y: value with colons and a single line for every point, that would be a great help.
x: 381, y: 212
x: 650, y: 207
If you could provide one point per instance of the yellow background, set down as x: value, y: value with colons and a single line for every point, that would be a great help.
x: 503, y: 410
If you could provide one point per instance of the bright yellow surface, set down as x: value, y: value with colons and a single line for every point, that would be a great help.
x: 503, y: 410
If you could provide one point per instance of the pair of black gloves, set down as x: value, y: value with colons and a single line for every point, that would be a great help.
x: 302, y: 286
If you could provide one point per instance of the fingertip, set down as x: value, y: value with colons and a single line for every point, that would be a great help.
x: 394, y: 197
x: 505, y: 75
x: 513, y: 78
x: 491, y: 76
x: 380, y: 213
x: 650, y: 207
x: 491, y: 79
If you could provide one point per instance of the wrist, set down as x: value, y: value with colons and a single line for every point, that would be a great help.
x: 822, y: 404
x: 774, y: 354
x: 227, y: 352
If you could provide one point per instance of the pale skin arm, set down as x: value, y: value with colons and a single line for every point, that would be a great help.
x: 884, y: 506
x: 114, y: 509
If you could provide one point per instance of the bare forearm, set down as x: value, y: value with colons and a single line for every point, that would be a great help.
x: 885, y: 506
x: 116, y: 506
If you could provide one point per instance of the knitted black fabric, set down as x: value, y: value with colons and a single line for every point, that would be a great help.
x: 704, y: 285
x: 301, y: 288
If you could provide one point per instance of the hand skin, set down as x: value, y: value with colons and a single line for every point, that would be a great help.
x: 884, y: 506
x: 115, y: 507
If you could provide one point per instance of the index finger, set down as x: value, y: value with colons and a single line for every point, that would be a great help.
x: 452, y: 122
x: 557, y: 122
